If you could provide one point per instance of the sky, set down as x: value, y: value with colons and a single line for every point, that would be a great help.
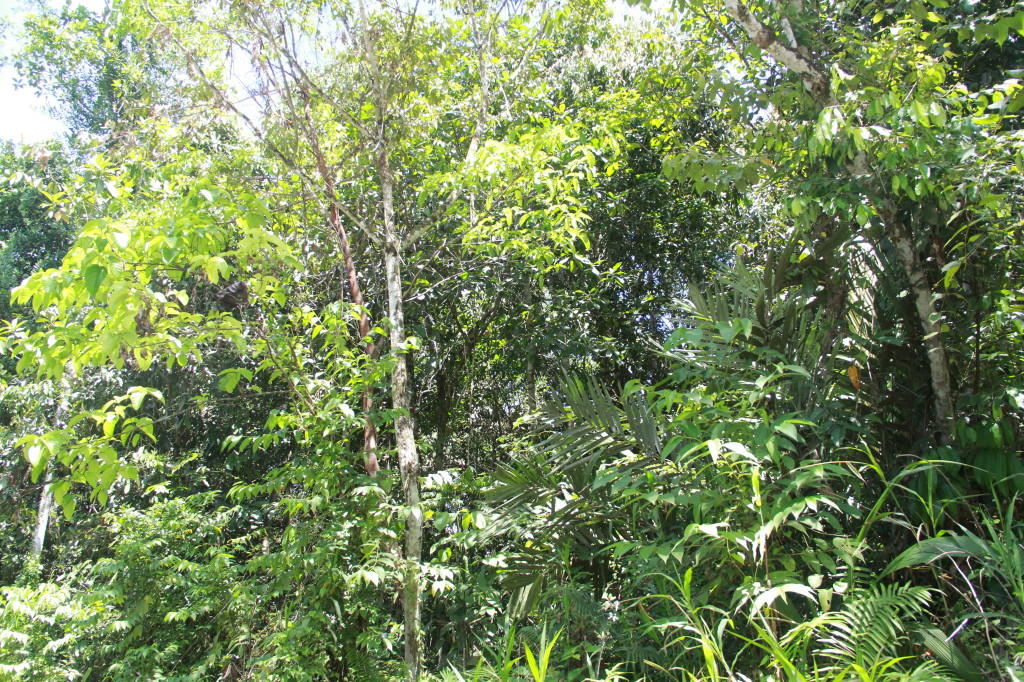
x: 22, y: 115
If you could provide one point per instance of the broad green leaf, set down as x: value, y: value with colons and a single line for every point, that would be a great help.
x: 94, y: 276
x: 68, y: 505
x: 136, y: 398
x: 229, y: 379
x: 933, y: 549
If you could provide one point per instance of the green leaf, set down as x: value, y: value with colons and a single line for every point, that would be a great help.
x: 788, y: 429
x: 212, y: 273
x: 60, y: 489
x: 229, y: 379
x: 37, y: 456
x: 949, y: 655
x: 1002, y: 29
x: 728, y: 331
x: 920, y: 113
x: 252, y: 221
x: 69, y: 505
x: 933, y: 549
x: 532, y: 662
x: 769, y: 596
x: 144, y: 357
x: 94, y: 276
x: 951, y: 270
x: 136, y: 398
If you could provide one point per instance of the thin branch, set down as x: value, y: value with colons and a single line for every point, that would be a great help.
x: 288, y: 161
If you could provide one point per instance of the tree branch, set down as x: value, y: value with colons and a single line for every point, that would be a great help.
x: 814, y: 78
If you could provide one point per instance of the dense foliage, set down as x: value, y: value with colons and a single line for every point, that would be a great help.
x: 515, y: 341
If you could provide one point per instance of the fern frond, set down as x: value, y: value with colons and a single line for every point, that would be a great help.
x: 871, y: 623
x: 361, y: 667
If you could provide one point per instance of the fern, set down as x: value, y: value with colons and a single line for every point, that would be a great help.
x: 361, y: 667
x: 869, y: 626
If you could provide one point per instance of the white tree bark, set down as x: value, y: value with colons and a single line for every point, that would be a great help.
x: 814, y: 78
x: 43, y: 516
x: 405, y: 430
x: 405, y: 433
x: 931, y: 325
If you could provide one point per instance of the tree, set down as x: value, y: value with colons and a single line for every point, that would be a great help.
x: 96, y: 66
x: 347, y: 140
x: 862, y: 97
x: 31, y: 236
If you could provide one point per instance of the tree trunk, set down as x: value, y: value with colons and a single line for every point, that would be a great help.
x: 355, y: 291
x: 931, y: 324
x: 43, y: 517
x: 369, y: 431
x: 405, y: 436
x: 531, y: 351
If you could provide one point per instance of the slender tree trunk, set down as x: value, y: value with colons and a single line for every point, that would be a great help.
x: 355, y: 291
x: 405, y: 436
x: 405, y: 432
x: 43, y: 517
x: 531, y: 351
x: 369, y: 431
x: 931, y: 324
x: 46, y: 496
